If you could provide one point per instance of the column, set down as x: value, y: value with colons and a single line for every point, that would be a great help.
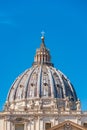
x: 25, y: 126
x: 38, y: 123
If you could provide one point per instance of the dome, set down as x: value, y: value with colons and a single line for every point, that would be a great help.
x: 41, y: 81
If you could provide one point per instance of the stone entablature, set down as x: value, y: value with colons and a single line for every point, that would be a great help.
x: 18, y: 117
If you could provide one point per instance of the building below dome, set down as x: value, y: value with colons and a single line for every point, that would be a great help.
x: 42, y: 98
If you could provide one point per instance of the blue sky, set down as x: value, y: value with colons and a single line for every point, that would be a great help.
x: 65, y: 26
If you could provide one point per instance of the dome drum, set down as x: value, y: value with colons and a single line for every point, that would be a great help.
x: 42, y: 104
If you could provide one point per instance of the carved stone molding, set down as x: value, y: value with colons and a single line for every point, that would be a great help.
x: 67, y: 126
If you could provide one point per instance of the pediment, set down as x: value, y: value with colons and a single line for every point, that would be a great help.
x: 67, y: 125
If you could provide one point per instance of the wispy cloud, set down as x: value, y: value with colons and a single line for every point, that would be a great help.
x: 7, y: 22
x: 5, y: 19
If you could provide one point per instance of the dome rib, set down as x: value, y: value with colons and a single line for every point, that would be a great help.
x: 9, y: 94
x: 39, y: 82
x: 51, y: 81
x: 18, y: 85
x: 28, y: 79
x: 61, y: 81
x: 73, y: 91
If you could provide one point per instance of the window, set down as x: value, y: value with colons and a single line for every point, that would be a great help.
x: 47, y: 126
x: 85, y: 125
x: 19, y: 127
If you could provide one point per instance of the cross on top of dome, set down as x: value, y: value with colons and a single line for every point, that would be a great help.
x: 42, y: 33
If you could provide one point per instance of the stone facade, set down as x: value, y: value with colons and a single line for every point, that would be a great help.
x: 39, y: 120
